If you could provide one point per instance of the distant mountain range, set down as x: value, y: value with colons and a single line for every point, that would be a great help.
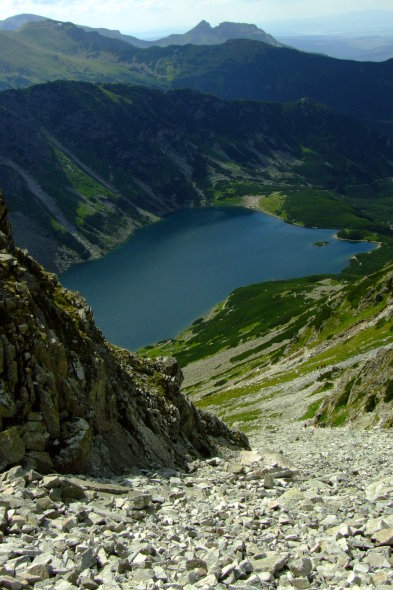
x: 364, y: 48
x: 84, y: 164
x: 362, y: 36
x: 356, y: 23
x: 47, y: 50
x: 202, y: 34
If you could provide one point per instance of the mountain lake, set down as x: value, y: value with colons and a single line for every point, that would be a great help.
x: 173, y: 271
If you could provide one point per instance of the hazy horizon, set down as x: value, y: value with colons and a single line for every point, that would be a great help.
x: 155, y: 17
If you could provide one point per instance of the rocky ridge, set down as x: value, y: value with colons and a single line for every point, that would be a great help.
x: 364, y: 392
x: 69, y: 400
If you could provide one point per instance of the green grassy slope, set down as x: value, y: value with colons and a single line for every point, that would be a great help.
x: 290, y: 348
x: 47, y: 50
x: 248, y: 313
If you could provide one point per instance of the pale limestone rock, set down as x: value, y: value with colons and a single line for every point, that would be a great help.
x: 300, y: 583
x: 291, y: 497
x: 273, y: 563
x: 383, y: 537
x: 301, y: 567
x: 374, y: 525
x: 141, y: 502
x: 41, y: 570
x: 380, y: 490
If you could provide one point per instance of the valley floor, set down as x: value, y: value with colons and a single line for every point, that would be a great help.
x: 321, y: 519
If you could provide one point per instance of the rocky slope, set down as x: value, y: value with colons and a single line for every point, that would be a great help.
x: 244, y: 520
x: 71, y: 401
x: 84, y: 164
x: 364, y: 394
x: 240, y: 522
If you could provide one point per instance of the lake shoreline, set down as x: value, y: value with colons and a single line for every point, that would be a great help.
x: 249, y: 203
x: 173, y: 272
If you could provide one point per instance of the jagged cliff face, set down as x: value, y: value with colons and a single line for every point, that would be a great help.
x: 71, y: 401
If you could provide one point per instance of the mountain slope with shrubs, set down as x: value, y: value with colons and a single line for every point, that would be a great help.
x: 317, y: 349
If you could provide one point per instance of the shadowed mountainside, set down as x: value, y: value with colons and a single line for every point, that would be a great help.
x: 84, y: 164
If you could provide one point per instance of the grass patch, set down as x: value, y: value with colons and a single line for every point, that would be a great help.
x: 312, y: 207
x: 340, y: 419
x: 221, y: 398
x: 243, y: 420
x: 311, y: 410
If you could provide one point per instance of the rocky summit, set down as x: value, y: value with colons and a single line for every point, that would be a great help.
x: 69, y: 400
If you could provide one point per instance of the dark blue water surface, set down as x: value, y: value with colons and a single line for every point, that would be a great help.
x: 173, y: 271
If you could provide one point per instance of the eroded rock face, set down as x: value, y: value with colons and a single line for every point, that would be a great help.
x: 71, y: 401
x: 364, y: 394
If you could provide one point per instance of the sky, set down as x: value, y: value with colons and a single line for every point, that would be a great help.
x: 150, y: 16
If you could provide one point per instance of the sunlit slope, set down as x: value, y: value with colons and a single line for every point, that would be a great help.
x: 280, y: 349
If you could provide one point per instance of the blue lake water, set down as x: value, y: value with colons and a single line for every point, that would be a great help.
x: 174, y: 271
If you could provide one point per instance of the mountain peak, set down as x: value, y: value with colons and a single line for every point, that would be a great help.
x: 14, y: 23
x: 229, y: 26
x: 204, y: 34
x: 202, y: 27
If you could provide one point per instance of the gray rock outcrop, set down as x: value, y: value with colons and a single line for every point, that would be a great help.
x: 72, y: 402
